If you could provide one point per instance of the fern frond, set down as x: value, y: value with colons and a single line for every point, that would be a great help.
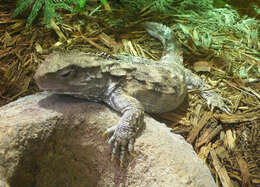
x: 81, y: 4
x: 48, y: 7
x: 63, y: 5
x: 49, y: 12
x: 162, y: 5
x: 36, y: 7
x: 21, y: 5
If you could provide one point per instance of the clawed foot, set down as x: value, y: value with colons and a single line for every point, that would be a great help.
x: 123, y: 140
x: 216, y: 101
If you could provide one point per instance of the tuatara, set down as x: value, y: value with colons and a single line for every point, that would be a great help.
x: 128, y: 84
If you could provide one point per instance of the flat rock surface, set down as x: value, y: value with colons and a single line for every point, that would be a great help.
x: 53, y: 140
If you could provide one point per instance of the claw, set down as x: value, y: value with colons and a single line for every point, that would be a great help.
x: 211, y: 107
x: 112, y: 158
x: 227, y: 110
x: 228, y: 101
x: 224, y: 107
x: 132, y: 154
x: 122, y: 164
x: 112, y: 140
x: 104, y: 134
x: 109, y: 131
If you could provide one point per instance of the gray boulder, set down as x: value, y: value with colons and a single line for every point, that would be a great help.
x: 53, y: 140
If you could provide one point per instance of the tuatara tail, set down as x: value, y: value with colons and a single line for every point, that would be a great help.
x: 172, y: 52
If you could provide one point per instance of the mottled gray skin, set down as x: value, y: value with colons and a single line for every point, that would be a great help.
x: 130, y: 85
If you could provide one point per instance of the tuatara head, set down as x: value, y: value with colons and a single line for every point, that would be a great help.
x: 73, y: 73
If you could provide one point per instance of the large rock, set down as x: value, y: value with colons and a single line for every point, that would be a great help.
x: 51, y: 140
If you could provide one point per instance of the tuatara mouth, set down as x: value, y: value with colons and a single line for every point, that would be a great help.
x: 51, y: 86
x: 57, y: 91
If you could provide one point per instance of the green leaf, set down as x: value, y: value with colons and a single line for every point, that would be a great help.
x: 103, y: 2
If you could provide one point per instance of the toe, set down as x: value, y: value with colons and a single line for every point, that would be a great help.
x: 114, y: 150
x: 111, y: 140
x: 122, y: 155
x: 131, y: 145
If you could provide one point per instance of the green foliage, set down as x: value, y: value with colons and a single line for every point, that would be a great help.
x: 210, y: 27
x: 219, y: 30
x: 103, y: 2
x: 169, y: 6
x: 48, y: 7
x: 80, y: 5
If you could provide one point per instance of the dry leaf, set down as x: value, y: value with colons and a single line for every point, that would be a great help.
x: 202, y: 66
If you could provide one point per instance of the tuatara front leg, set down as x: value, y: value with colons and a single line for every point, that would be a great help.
x: 129, y: 125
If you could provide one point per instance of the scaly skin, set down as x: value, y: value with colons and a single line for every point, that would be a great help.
x: 129, y: 85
